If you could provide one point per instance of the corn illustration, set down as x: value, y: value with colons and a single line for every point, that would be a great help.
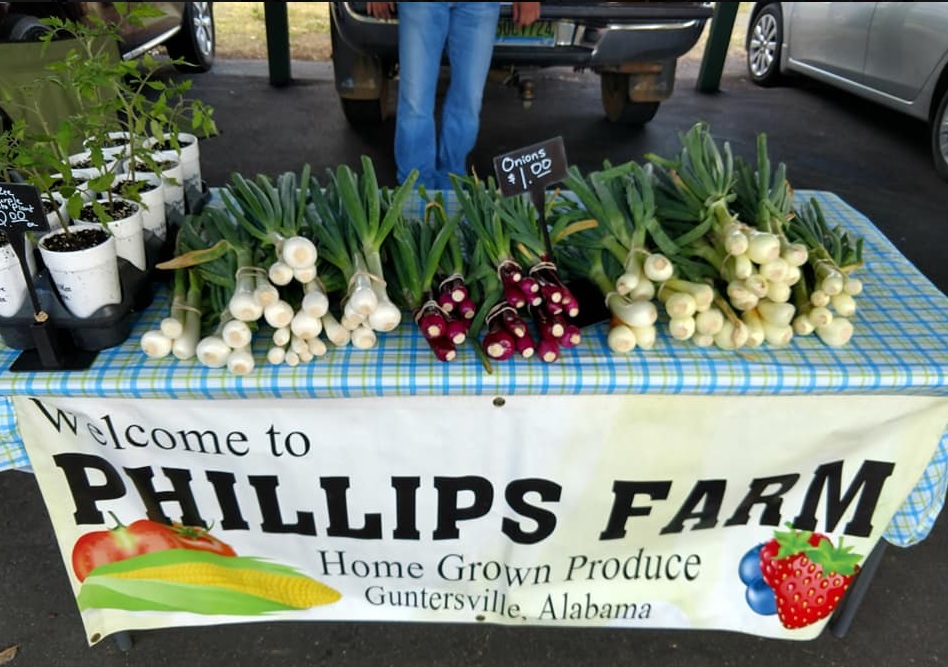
x: 202, y: 583
x: 298, y: 592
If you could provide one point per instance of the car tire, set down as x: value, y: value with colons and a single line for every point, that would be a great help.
x: 361, y: 81
x: 614, y: 87
x: 939, y: 127
x: 764, y: 45
x: 194, y: 45
x: 22, y: 28
x: 365, y: 112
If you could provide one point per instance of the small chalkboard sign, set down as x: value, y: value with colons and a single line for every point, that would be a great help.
x: 531, y: 168
x: 21, y: 208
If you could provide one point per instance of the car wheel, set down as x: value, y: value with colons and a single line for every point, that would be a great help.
x: 195, y: 42
x: 764, y: 40
x: 365, y: 112
x: 361, y: 81
x: 22, y: 28
x: 940, y: 137
x: 614, y: 87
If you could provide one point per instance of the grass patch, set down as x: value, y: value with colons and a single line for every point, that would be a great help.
x: 241, y: 30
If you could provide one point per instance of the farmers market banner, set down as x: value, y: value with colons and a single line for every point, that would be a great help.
x: 750, y: 514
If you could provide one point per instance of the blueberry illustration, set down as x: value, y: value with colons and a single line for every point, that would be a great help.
x: 761, y: 598
x: 749, y: 567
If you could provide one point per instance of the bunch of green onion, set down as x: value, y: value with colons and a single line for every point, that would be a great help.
x: 825, y: 297
x: 352, y: 217
x: 742, y: 269
x: 619, y: 252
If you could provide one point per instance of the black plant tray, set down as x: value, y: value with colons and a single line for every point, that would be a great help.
x: 107, y: 327
x: 110, y: 325
x: 200, y: 201
x: 164, y: 250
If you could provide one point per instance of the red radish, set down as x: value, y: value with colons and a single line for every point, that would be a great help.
x: 431, y: 320
x: 571, y: 336
x: 514, y: 295
x: 466, y: 309
x: 454, y: 287
x: 499, y: 343
x: 509, y: 272
x: 456, y: 330
x: 550, y: 326
x: 548, y: 350
x: 512, y: 322
x: 570, y: 303
x: 553, y: 308
x: 446, y: 302
x: 529, y: 285
x: 551, y: 293
x: 525, y: 346
x: 443, y: 348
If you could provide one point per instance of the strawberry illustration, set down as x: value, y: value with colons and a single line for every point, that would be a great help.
x: 782, y: 545
x: 808, y: 575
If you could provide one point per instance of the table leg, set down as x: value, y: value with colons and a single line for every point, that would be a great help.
x: 840, y: 623
x: 123, y: 641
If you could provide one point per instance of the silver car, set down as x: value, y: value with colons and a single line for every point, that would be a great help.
x: 892, y: 53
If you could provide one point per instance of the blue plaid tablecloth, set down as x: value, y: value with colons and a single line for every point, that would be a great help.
x: 900, y: 346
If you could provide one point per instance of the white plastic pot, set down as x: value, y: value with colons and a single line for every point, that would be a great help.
x: 190, y: 158
x: 92, y: 172
x: 173, y: 179
x: 80, y: 179
x: 129, y: 235
x: 13, y: 290
x: 119, y: 150
x: 54, y: 219
x: 154, y: 219
x: 86, y: 279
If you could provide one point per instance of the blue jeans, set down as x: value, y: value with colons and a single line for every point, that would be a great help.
x: 465, y: 30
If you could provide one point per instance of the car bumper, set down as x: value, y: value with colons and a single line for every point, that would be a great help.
x: 592, y: 37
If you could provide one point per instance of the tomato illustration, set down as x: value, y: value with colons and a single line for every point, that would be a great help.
x: 114, y: 544
x: 200, y: 539
x: 141, y: 537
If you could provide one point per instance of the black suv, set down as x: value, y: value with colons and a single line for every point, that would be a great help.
x: 185, y: 29
x: 633, y: 46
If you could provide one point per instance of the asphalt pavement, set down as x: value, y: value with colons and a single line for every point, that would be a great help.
x: 878, y: 161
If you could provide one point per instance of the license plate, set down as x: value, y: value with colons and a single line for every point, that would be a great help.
x: 540, y: 33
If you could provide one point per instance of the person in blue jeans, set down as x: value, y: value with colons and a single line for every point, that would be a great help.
x: 426, y: 30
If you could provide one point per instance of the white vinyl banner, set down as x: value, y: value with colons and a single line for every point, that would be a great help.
x: 750, y: 514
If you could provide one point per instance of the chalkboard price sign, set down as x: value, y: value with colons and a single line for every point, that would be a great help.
x: 531, y: 168
x: 21, y: 208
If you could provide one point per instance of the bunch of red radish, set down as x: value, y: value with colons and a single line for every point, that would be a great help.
x: 445, y: 320
x: 545, y: 299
